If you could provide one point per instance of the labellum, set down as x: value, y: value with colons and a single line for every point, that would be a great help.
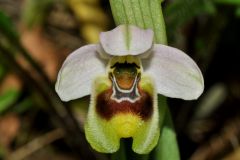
x: 125, y: 99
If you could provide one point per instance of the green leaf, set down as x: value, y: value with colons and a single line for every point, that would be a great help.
x: 35, y: 12
x: 2, y: 71
x: 24, y: 105
x: 238, y: 11
x: 8, y: 98
x: 2, y: 151
x: 167, y: 147
x: 180, y: 12
x: 230, y: 2
x: 120, y: 154
x: 7, y: 27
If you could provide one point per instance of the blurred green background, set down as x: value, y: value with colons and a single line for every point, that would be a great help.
x: 35, y: 38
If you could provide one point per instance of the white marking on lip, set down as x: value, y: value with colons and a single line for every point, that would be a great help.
x: 116, y: 89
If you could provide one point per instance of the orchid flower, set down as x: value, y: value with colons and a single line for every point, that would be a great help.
x: 123, y: 74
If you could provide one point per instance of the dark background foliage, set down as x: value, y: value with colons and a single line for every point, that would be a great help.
x: 35, y: 38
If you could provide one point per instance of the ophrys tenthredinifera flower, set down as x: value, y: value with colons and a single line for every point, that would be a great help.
x: 123, y: 74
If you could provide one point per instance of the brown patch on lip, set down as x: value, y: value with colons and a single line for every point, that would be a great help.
x: 107, y: 107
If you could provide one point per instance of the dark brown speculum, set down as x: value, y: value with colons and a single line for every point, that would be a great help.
x: 107, y: 107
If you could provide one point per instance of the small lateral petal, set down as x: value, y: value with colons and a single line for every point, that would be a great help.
x: 174, y: 72
x: 126, y: 40
x: 77, y: 72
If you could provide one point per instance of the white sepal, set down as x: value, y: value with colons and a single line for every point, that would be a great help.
x: 78, y: 71
x: 176, y: 75
x: 126, y: 40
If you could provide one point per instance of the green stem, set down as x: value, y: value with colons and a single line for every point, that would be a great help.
x: 148, y: 14
x: 120, y: 154
x: 167, y: 147
x: 142, y: 13
x: 230, y: 2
